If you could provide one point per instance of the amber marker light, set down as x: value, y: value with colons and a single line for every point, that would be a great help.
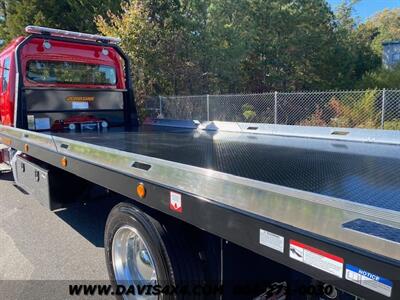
x: 64, y: 162
x: 141, y: 190
x: 5, y: 141
x: 26, y: 148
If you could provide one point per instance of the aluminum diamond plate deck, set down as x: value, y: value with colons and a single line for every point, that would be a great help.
x: 331, y: 168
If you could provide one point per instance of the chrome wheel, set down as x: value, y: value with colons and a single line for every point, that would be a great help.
x: 132, y: 261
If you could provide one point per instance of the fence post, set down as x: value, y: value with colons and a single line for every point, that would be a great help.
x: 276, y: 107
x: 160, y: 103
x: 383, y: 109
x: 208, y: 107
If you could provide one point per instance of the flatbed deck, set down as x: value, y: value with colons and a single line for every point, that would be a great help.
x: 329, y: 168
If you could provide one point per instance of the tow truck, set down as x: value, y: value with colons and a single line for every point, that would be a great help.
x: 249, y: 207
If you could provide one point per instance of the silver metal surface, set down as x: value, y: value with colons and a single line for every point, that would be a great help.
x: 330, y: 133
x: 132, y: 261
x: 39, y: 139
x: 318, y: 214
x: 70, y: 34
x: 32, y: 178
x: 4, y: 168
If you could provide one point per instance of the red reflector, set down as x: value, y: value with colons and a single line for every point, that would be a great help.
x: 175, y: 202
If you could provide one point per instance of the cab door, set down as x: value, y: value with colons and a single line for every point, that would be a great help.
x: 2, y: 104
x: 6, y: 112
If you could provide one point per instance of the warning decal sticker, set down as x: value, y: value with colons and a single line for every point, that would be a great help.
x: 316, y: 258
x: 272, y: 240
x: 369, y: 280
x: 175, y: 202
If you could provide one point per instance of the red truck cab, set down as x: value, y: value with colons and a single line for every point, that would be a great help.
x: 61, y: 80
x: 7, y: 83
x: 51, y: 76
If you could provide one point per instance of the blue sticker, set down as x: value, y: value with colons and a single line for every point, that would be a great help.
x: 369, y: 280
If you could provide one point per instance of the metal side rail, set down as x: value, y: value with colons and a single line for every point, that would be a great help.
x: 310, y: 132
x: 325, y: 237
x: 330, y: 133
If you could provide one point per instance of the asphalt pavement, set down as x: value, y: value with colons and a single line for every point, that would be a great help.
x: 42, y: 252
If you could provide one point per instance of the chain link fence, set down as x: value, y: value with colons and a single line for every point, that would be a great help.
x: 362, y: 109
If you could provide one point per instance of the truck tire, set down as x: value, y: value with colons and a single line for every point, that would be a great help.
x: 141, y: 250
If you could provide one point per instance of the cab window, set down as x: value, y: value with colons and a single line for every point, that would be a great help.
x: 6, y: 74
x: 70, y: 73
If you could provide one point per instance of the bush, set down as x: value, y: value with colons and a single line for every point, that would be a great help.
x: 347, y: 112
x: 393, y: 125
x: 381, y: 78
x: 248, y: 112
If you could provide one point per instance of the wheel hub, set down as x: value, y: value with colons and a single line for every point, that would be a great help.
x: 132, y: 261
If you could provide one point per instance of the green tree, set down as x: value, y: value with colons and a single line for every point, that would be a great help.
x: 165, y: 41
x: 280, y: 45
x: 75, y: 15
x: 355, y: 56
x: 221, y: 46
x: 381, y: 78
x: 384, y: 26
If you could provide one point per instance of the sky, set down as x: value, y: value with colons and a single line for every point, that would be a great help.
x: 367, y: 8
